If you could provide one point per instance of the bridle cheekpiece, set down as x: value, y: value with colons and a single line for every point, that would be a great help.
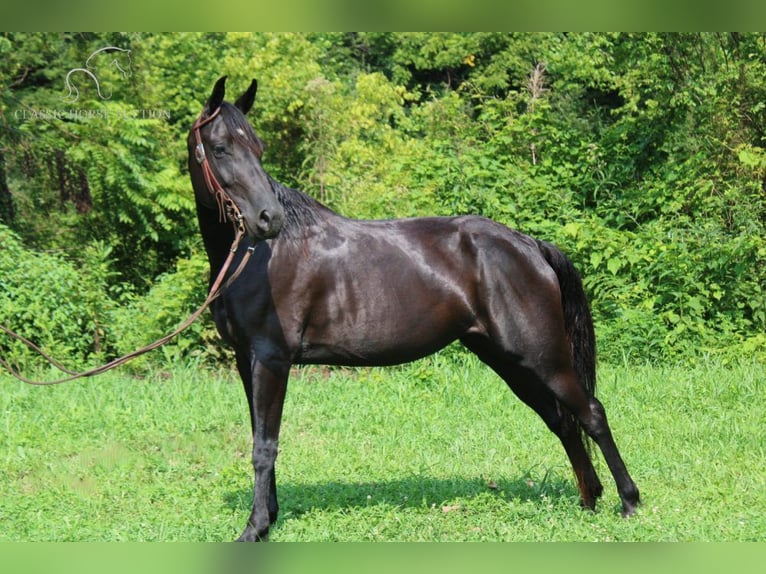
x: 227, y: 208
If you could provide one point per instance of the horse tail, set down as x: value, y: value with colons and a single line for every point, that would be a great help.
x: 578, y: 320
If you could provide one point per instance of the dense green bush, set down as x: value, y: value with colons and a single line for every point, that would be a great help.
x: 173, y: 297
x: 665, y: 292
x: 642, y: 155
x: 69, y: 310
x: 51, y: 301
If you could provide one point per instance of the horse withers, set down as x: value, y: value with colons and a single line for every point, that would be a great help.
x: 320, y: 288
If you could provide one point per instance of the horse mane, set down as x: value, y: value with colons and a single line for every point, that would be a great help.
x: 301, y: 210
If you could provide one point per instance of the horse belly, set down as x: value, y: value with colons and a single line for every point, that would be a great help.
x: 386, y: 326
x: 368, y: 352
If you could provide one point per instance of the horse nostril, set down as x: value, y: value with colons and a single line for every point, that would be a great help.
x: 269, y: 222
x: 264, y: 219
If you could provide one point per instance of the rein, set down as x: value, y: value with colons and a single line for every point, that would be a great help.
x: 227, y: 209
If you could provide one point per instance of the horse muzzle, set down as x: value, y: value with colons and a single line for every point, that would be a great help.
x: 266, y: 224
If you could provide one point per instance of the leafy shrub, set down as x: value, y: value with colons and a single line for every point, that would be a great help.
x: 57, y: 304
x: 69, y: 310
x: 664, y: 291
x: 172, y: 298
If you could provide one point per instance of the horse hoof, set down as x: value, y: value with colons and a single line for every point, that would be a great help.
x: 250, y: 534
x: 629, y: 510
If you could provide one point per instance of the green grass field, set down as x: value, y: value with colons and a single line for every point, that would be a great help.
x: 432, y: 451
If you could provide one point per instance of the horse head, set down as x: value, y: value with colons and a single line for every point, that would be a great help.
x: 225, y: 165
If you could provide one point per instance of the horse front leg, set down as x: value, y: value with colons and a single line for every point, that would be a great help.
x: 268, y: 396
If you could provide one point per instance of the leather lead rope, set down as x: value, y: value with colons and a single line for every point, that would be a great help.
x: 216, y: 289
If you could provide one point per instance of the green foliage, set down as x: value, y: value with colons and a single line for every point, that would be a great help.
x: 94, y: 169
x: 346, y: 135
x: 661, y: 289
x: 52, y: 302
x: 642, y: 155
x: 78, y: 314
x: 173, y: 297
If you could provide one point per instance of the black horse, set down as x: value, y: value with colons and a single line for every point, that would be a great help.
x: 322, y: 288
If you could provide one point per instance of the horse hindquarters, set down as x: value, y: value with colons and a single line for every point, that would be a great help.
x: 537, y: 334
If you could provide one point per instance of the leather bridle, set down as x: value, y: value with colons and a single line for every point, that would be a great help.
x: 227, y: 208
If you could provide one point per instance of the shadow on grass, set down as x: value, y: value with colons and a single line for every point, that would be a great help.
x: 296, y: 499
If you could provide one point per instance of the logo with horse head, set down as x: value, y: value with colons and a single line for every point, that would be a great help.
x: 115, y: 56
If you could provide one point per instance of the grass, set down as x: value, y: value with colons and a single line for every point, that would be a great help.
x: 436, y: 451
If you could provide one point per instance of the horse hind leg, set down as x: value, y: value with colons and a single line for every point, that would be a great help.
x: 560, y: 422
x: 534, y: 394
x: 591, y: 415
x: 546, y: 390
x: 564, y: 426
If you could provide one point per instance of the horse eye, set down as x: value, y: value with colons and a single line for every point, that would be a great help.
x: 219, y: 150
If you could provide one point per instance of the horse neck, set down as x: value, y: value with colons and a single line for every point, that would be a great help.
x: 303, y: 215
x: 217, y: 237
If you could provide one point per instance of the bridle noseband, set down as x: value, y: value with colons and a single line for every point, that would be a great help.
x: 227, y: 208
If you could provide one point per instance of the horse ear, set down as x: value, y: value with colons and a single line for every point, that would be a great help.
x: 245, y: 101
x: 216, y: 98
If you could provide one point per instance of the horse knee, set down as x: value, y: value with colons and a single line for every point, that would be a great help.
x: 594, y: 422
x: 264, y: 456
